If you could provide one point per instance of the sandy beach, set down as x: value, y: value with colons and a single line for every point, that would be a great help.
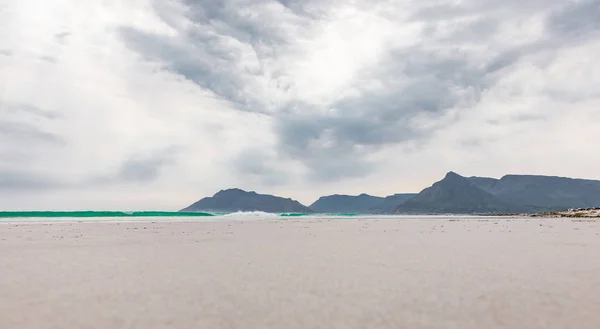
x: 301, y: 273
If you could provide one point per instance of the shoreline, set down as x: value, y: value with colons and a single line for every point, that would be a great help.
x: 590, y: 213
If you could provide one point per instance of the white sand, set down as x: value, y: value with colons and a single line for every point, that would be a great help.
x: 498, y: 273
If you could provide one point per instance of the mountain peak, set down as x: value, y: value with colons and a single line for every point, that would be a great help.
x: 453, y: 194
x: 453, y: 179
x: 230, y: 191
x: 452, y: 174
x: 233, y: 191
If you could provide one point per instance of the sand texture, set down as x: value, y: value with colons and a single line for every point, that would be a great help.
x: 306, y: 273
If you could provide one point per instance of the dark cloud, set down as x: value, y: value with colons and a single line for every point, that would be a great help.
x: 22, y: 131
x: 335, y: 141
x: 135, y: 170
x: 17, y: 181
x: 576, y: 19
x: 49, y: 59
x: 142, y: 168
x: 62, y: 37
x: 516, y: 119
x: 255, y: 164
x: 19, y: 124
x: 19, y: 108
x: 228, y: 46
x: 323, y: 141
x: 247, y: 22
x: 305, y: 8
x: 203, y: 60
x: 418, y: 80
x: 436, y: 11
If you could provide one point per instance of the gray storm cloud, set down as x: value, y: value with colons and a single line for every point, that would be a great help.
x: 442, y: 70
x: 293, y: 95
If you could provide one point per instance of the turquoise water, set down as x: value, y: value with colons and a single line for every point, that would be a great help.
x: 108, y: 214
x: 79, y: 214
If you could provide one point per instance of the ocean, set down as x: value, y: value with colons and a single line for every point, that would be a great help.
x: 163, y: 216
x: 119, y: 214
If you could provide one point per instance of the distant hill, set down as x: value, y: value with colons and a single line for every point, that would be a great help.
x: 359, y: 204
x: 345, y: 203
x: 547, y: 192
x: 511, y: 194
x: 233, y: 200
x: 457, y: 195
x: 390, y: 203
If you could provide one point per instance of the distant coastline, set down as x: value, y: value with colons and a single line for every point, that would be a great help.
x: 572, y: 213
x: 453, y: 195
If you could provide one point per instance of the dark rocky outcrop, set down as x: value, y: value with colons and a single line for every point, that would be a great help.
x: 455, y: 194
x: 390, y: 203
x: 233, y: 200
x: 511, y: 194
x: 549, y: 193
x: 345, y: 203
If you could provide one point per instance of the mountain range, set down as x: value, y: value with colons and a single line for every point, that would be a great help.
x: 454, y: 194
x: 359, y: 204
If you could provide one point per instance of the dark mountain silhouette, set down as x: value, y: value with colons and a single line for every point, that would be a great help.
x: 454, y: 194
x: 457, y: 195
x: 345, y: 203
x: 390, y: 203
x: 547, y: 192
x: 233, y: 200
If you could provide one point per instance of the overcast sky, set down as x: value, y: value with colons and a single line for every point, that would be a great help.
x: 139, y: 104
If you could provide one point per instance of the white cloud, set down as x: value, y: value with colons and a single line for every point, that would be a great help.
x: 110, y: 107
x: 298, y: 99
